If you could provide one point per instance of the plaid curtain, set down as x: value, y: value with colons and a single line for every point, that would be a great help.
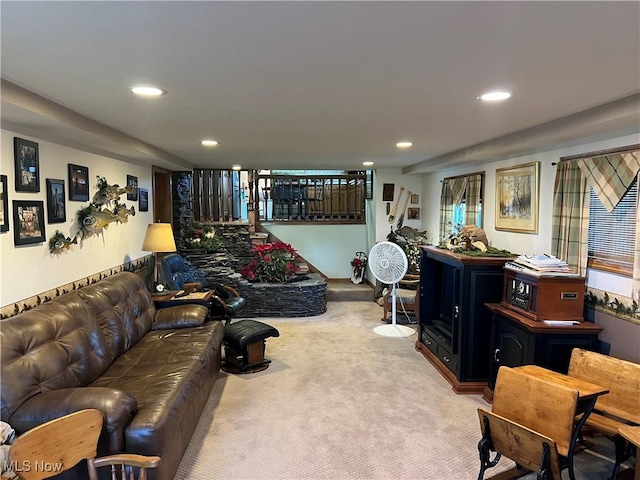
x: 474, y: 187
x: 611, y: 175
x: 570, y: 224
x: 458, y: 186
x: 446, y: 208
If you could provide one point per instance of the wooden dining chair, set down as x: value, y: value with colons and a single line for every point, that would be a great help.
x: 531, y: 423
x: 60, y: 444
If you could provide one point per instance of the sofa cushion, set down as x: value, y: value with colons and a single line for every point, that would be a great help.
x: 56, y: 345
x: 123, y: 307
x: 170, y: 373
x: 180, y: 316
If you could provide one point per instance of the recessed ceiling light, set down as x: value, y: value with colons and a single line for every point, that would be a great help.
x: 494, y: 96
x: 404, y: 144
x: 367, y: 163
x: 236, y: 167
x: 147, y: 91
x: 209, y: 143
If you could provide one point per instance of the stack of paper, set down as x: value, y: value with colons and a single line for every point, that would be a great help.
x: 542, y: 264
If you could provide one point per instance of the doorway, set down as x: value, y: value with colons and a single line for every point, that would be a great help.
x: 162, y: 209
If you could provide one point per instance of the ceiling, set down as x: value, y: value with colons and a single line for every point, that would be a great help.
x: 319, y: 85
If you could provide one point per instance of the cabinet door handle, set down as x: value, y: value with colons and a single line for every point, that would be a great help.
x: 446, y: 359
x: 495, y: 355
x: 456, y: 312
x: 428, y: 342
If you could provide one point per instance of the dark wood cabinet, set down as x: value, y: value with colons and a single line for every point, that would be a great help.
x: 454, y: 324
x: 518, y: 340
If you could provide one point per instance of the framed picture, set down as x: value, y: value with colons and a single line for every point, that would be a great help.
x: 4, y: 204
x: 144, y: 200
x: 387, y: 192
x: 56, y: 209
x: 133, y: 182
x: 78, y: 183
x: 413, y: 213
x: 28, y: 222
x: 27, y: 165
x: 517, y: 198
x: 415, y: 198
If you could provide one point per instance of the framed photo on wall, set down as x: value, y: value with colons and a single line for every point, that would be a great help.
x: 143, y: 206
x: 413, y: 213
x: 78, y: 183
x: 132, y: 182
x: 56, y: 208
x: 27, y: 165
x: 517, y: 198
x: 28, y: 222
x: 4, y: 204
x: 387, y: 192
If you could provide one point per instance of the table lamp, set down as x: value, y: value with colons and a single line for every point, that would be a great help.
x: 159, y: 238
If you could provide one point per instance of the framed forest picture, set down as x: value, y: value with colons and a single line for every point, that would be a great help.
x: 517, y: 198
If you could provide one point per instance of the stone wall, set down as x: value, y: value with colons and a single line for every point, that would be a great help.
x: 304, y: 298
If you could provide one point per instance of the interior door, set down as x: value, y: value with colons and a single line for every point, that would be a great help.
x: 162, y: 209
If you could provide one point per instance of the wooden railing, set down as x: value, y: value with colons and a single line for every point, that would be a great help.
x: 225, y: 195
x: 311, y: 198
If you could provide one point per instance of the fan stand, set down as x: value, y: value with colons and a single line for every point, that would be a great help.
x: 393, y: 329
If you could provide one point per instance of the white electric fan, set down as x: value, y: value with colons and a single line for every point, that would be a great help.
x: 388, y: 263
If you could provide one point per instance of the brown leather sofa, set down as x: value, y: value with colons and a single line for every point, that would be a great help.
x: 106, y: 346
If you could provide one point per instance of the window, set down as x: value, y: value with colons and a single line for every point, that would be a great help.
x: 611, y: 243
x: 460, y: 213
x: 460, y: 203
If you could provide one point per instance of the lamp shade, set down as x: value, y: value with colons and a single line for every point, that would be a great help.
x: 159, y: 238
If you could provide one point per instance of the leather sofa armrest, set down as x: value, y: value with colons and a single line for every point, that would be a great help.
x: 180, y: 316
x: 117, y: 407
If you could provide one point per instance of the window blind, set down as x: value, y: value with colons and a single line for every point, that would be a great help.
x: 612, y: 234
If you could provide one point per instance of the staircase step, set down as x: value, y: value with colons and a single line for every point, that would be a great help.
x: 349, y: 292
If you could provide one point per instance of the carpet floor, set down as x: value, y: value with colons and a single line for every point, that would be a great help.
x: 340, y: 402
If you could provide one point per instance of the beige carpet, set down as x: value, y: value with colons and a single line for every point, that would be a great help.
x: 340, y: 402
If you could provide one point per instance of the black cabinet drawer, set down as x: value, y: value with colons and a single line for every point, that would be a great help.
x: 451, y: 361
x: 430, y: 342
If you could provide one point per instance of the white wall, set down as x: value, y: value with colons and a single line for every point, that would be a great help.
x: 411, y: 183
x: 329, y: 248
x: 27, y: 270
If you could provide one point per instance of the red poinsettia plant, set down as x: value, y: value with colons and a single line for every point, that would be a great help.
x: 273, y: 264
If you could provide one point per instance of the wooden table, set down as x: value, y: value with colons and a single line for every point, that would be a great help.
x: 632, y: 434
x: 588, y: 393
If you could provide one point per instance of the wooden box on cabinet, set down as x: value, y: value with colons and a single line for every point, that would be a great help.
x: 454, y: 324
x: 518, y: 340
x: 545, y: 297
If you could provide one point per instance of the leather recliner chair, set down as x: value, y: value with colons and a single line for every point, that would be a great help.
x: 227, y: 302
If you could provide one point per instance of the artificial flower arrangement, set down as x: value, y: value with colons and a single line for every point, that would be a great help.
x: 273, y: 264
x: 359, y: 264
x: 200, y: 236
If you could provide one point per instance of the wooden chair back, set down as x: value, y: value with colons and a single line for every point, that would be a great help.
x: 524, y: 446
x: 539, y: 405
x: 621, y: 377
x: 60, y: 444
x: 57, y: 446
x: 408, y: 288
